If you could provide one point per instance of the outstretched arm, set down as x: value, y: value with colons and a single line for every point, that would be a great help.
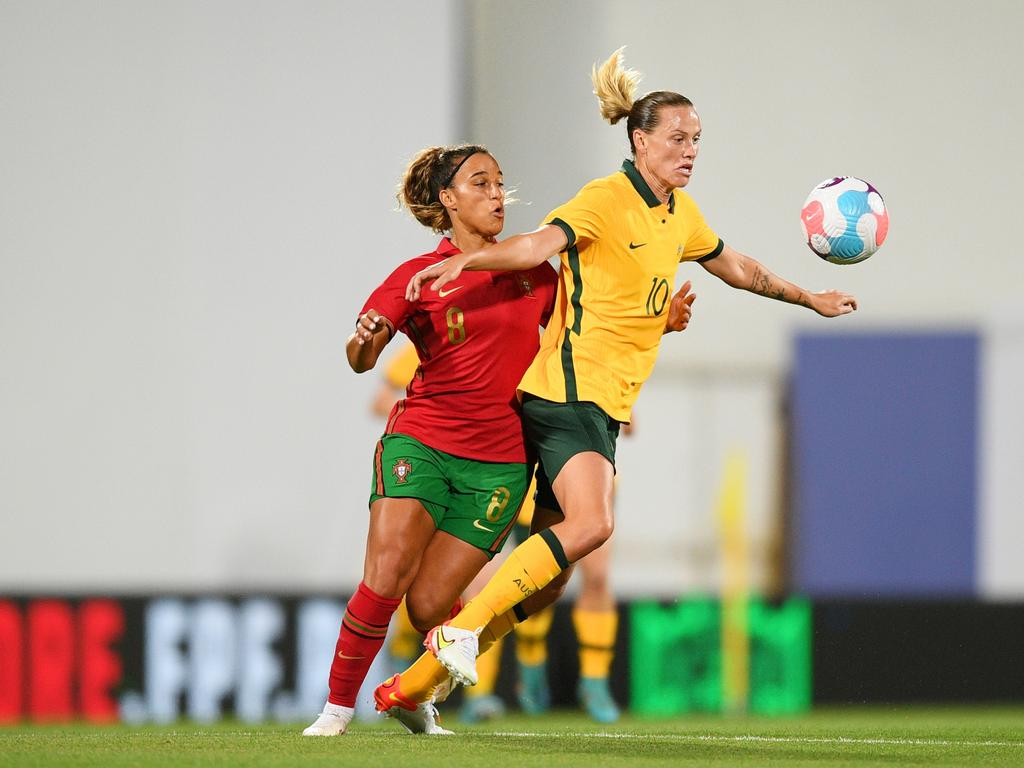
x: 742, y: 271
x: 518, y: 252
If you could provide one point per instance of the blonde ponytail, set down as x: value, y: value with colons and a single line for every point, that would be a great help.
x: 614, y: 86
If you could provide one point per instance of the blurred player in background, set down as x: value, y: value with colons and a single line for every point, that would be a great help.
x: 451, y: 471
x: 621, y: 240
x: 398, y: 375
x: 595, y: 619
x: 594, y: 615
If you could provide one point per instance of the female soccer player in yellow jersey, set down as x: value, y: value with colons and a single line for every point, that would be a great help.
x: 452, y: 468
x: 594, y: 614
x: 621, y: 239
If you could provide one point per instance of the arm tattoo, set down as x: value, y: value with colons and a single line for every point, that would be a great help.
x: 764, y: 283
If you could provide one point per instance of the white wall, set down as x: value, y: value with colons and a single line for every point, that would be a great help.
x: 1001, y: 525
x: 668, y: 534
x: 195, y: 200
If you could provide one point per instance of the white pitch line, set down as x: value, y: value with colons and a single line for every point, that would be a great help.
x: 601, y: 735
x: 767, y: 739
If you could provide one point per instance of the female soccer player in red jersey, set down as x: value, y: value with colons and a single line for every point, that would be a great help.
x: 451, y: 470
x: 621, y: 240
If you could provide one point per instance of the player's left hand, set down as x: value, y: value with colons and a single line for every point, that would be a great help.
x: 680, y: 309
x: 832, y: 303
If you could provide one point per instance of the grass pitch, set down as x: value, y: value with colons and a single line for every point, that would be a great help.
x: 836, y: 737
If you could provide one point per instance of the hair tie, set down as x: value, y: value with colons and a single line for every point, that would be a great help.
x: 451, y: 175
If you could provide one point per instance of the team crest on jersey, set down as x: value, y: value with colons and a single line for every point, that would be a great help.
x: 525, y: 285
x: 401, y: 470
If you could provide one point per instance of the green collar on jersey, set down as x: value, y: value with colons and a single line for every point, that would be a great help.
x: 629, y: 168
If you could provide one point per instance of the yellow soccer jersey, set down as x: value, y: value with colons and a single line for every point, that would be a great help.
x: 402, y: 367
x: 617, y: 277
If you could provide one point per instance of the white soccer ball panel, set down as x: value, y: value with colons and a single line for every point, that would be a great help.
x: 867, y: 226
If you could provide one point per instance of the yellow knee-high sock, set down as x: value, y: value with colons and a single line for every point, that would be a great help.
x: 595, y: 631
x: 407, y: 641
x: 497, y: 628
x: 420, y: 679
x: 529, y: 568
x: 426, y: 673
x: 532, y: 638
x: 488, y: 664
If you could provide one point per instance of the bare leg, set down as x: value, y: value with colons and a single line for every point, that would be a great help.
x: 584, y: 489
x: 595, y: 591
x: 400, y: 530
x: 448, y: 567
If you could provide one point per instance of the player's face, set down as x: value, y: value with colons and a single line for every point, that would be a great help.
x: 671, y: 148
x: 478, y: 196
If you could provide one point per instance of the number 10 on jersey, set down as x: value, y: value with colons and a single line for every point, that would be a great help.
x: 657, y: 297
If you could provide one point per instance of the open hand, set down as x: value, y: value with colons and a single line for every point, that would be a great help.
x: 680, y: 309
x: 441, y: 273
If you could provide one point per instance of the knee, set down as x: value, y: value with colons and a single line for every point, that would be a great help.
x: 389, y: 573
x: 595, y: 534
x: 594, y: 584
x: 422, y: 617
x: 426, y: 611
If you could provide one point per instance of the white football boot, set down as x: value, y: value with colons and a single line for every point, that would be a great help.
x: 333, y: 721
x: 457, y: 650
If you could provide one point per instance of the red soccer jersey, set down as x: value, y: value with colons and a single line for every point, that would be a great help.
x: 475, y: 339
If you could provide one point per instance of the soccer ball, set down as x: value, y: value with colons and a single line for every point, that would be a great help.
x: 844, y: 220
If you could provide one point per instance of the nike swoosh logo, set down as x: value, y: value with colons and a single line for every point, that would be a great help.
x: 476, y: 524
x: 394, y: 697
x: 442, y: 642
x: 343, y: 656
x: 442, y: 293
x: 633, y: 245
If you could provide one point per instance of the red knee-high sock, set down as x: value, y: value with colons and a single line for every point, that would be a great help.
x: 362, y: 634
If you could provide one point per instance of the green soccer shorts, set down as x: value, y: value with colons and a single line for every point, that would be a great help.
x: 558, y: 431
x: 475, y: 501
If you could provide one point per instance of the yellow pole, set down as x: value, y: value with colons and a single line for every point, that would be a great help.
x: 735, y: 553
